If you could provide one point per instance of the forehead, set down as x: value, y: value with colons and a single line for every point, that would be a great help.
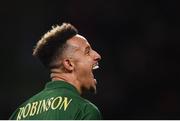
x: 78, y: 41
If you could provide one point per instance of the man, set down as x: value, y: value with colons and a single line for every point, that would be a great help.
x: 70, y: 60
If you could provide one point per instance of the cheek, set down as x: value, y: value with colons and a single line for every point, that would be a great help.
x: 84, y: 69
x: 84, y: 63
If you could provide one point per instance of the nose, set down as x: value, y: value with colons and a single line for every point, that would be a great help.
x: 97, y: 56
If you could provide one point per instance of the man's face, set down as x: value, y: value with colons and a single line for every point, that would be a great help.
x: 85, y: 60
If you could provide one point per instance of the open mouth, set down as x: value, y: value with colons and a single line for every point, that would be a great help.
x: 95, y: 66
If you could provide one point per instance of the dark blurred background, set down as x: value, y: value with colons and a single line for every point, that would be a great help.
x: 138, y: 40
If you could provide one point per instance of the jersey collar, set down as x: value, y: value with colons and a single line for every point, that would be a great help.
x: 61, y: 84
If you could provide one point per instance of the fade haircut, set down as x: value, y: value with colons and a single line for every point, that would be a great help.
x: 53, y: 43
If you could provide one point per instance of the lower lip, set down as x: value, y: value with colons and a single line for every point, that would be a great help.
x: 95, y: 81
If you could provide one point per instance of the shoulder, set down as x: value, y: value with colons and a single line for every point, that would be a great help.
x: 90, y: 111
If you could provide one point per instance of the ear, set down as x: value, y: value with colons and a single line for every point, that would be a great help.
x: 68, y: 65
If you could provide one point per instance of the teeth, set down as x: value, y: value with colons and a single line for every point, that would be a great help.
x: 96, y: 66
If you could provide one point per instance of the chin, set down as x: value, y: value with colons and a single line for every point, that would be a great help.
x: 93, y: 89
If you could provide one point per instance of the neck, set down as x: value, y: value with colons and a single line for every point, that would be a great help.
x: 67, y: 78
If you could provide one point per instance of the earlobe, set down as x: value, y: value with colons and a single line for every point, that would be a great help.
x: 68, y: 65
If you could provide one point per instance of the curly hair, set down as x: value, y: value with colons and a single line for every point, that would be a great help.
x: 52, y: 43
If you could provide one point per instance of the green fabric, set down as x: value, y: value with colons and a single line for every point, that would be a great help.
x: 59, y: 100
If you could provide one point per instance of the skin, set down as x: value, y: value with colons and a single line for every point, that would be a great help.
x: 77, y: 64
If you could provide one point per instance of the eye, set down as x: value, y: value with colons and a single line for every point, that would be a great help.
x: 87, y: 51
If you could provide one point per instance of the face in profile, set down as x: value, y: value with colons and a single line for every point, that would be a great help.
x: 85, y: 60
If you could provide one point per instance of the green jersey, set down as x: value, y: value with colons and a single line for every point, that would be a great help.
x: 59, y: 100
